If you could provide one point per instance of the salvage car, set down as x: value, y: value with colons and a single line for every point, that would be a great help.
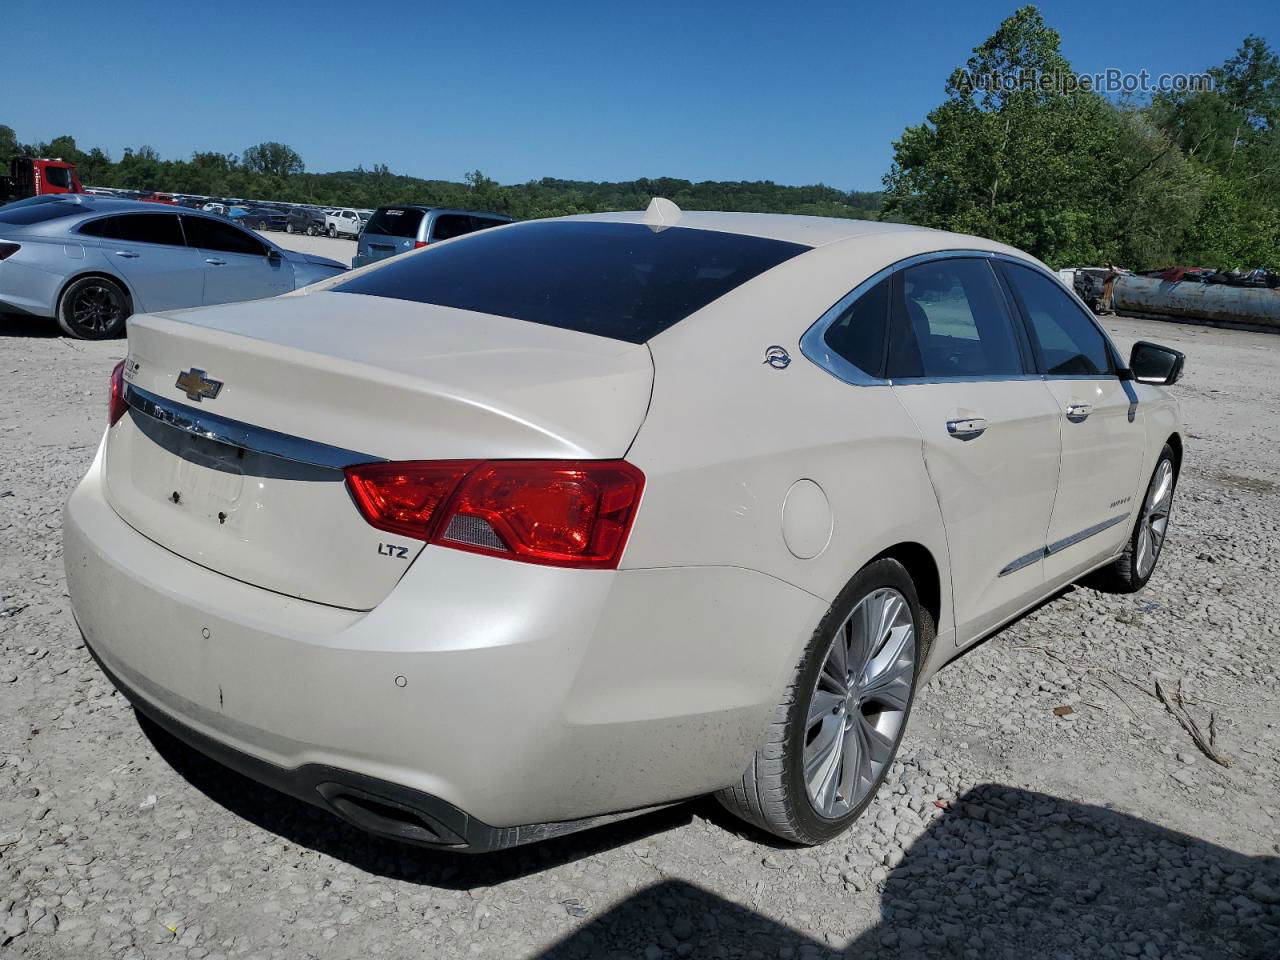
x: 90, y: 262
x: 305, y: 220
x: 263, y: 218
x: 591, y: 515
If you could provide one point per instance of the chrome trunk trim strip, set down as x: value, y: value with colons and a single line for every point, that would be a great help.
x: 233, y: 433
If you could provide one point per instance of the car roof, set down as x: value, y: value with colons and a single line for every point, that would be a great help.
x: 92, y: 203
x: 865, y: 236
x: 792, y: 228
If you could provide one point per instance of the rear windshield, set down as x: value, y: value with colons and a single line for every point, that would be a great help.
x: 395, y: 222
x: 24, y: 213
x: 627, y: 281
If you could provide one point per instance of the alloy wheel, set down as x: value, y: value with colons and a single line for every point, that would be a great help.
x: 1153, y: 525
x: 859, y: 703
x: 97, y: 308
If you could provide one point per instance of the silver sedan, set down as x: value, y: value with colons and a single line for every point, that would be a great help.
x: 89, y: 262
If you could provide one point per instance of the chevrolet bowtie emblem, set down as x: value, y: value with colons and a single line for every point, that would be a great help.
x: 197, y: 386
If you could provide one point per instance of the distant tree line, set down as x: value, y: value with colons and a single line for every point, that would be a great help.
x: 1188, y: 178
x: 274, y: 171
x: 1185, y: 178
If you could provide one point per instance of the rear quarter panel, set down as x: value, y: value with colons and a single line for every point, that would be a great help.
x: 727, y: 436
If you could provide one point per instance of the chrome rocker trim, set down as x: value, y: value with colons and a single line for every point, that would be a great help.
x: 1059, y: 545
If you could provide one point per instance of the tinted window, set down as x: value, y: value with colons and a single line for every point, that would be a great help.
x: 23, y: 213
x: 858, y: 333
x: 451, y: 225
x: 1062, y: 334
x: 621, y: 280
x: 162, y: 228
x: 950, y: 319
x: 395, y: 222
x: 210, y: 234
x: 106, y: 227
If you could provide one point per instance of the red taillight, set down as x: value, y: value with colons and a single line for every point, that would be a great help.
x: 419, y: 244
x: 7, y: 250
x: 569, y: 513
x: 404, y: 497
x: 116, y: 404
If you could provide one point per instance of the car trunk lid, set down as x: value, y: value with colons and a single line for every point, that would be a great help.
x: 247, y: 479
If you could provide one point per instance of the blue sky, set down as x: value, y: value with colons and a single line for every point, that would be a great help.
x: 794, y: 92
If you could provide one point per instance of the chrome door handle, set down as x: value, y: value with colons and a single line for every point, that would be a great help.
x: 968, y: 428
x: 216, y: 263
x: 1078, y: 412
x: 127, y: 254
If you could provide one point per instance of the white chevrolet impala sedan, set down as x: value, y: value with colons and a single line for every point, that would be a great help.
x: 574, y: 518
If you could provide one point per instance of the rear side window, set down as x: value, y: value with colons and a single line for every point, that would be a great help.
x: 858, y: 333
x: 209, y: 234
x: 626, y: 281
x: 395, y: 222
x: 1065, y: 339
x: 950, y: 319
x: 159, y: 228
x: 106, y: 227
x: 450, y: 225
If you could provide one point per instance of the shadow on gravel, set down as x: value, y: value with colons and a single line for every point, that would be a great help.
x: 18, y: 325
x: 308, y: 826
x: 1002, y: 873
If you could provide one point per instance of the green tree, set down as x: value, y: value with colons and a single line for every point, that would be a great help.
x: 272, y: 158
x: 9, y: 147
x: 1015, y: 153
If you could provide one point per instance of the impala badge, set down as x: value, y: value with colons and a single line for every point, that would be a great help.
x: 777, y: 357
x: 197, y: 386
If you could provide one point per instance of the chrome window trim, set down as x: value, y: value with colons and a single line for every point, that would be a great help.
x: 233, y: 433
x: 813, y: 342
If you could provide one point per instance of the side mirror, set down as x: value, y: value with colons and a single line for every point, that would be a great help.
x: 1152, y: 363
x: 274, y: 254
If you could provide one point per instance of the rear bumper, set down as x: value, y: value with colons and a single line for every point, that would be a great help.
x: 483, y: 695
x: 387, y: 809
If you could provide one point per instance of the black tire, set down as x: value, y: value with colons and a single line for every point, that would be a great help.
x: 288, y: 228
x: 772, y: 794
x: 94, y: 308
x: 333, y: 232
x: 1128, y: 573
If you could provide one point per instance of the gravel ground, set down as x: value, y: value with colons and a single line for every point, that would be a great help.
x: 1004, y: 831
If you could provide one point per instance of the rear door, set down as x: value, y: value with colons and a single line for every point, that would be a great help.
x: 959, y: 363
x: 1101, y: 425
x: 151, y: 254
x: 237, y: 264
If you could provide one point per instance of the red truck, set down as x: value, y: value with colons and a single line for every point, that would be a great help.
x: 34, y: 176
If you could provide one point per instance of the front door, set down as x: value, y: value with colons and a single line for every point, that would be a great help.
x: 149, y: 251
x: 237, y: 263
x: 1102, y: 428
x: 960, y: 366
